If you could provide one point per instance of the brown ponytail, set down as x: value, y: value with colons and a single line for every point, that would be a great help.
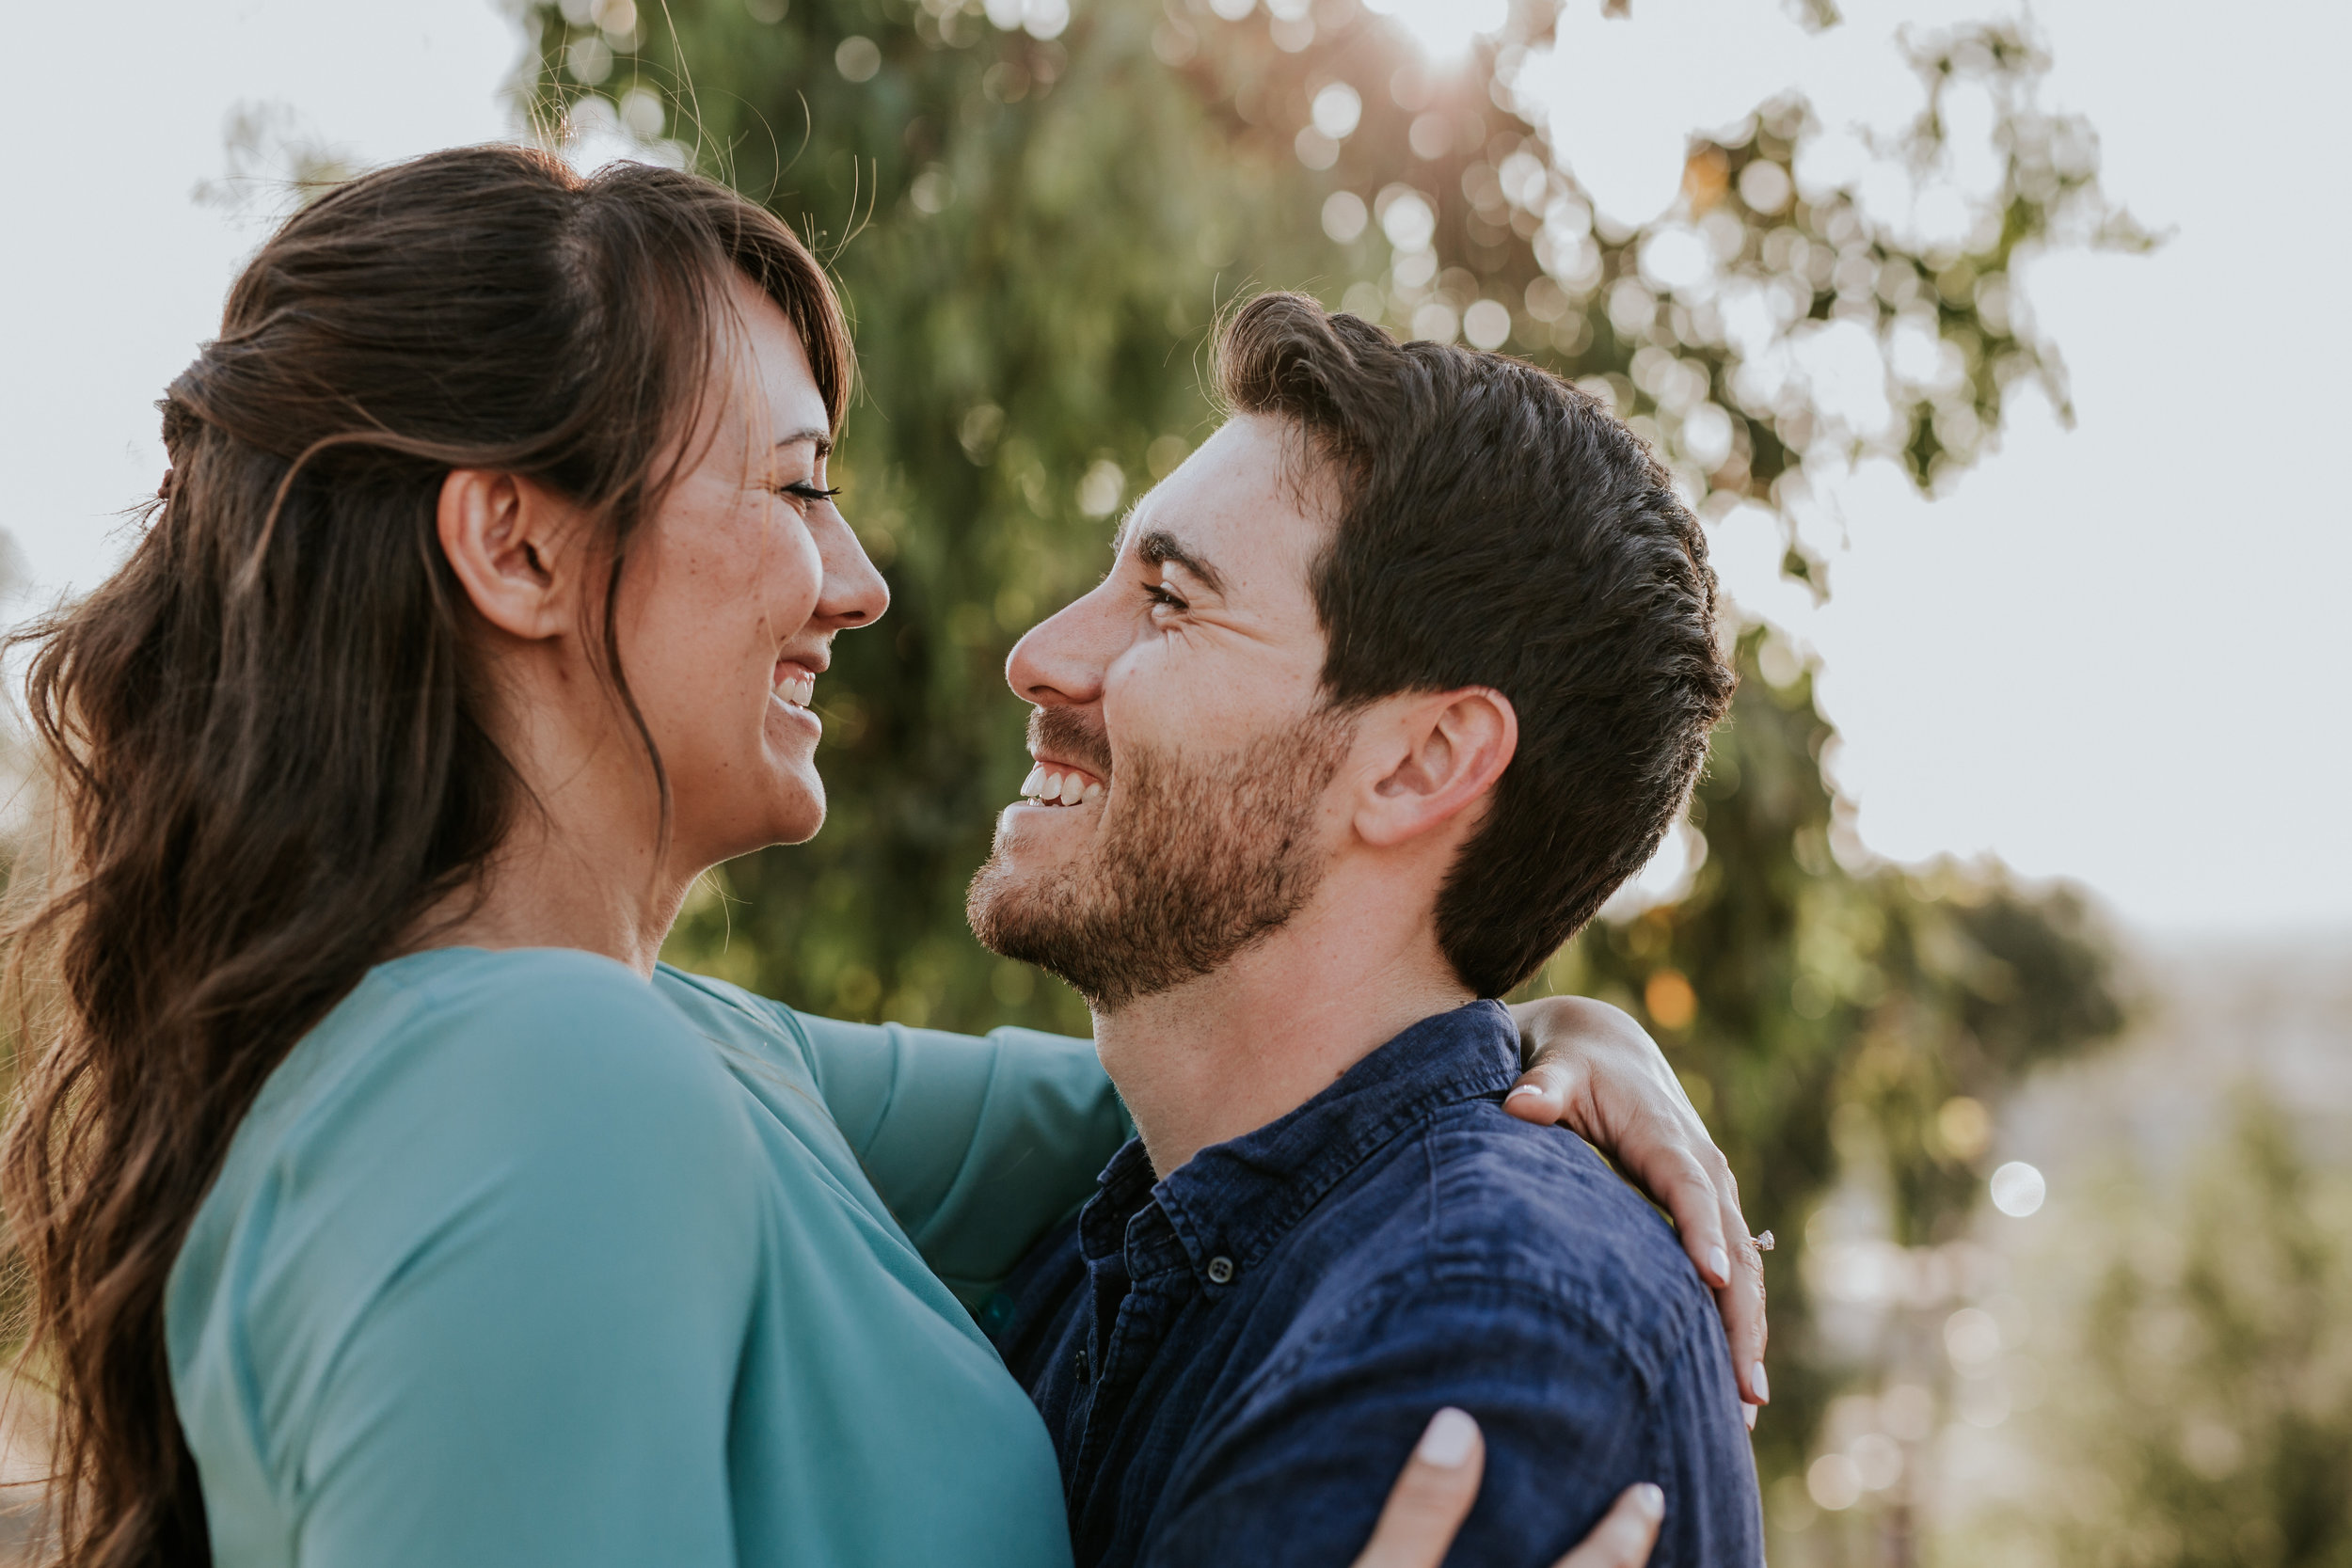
x: 269, y: 756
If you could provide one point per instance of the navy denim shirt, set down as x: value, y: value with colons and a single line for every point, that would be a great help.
x: 1235, y: 1362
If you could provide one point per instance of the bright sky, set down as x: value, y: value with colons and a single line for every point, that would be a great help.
x: 2107, y: 656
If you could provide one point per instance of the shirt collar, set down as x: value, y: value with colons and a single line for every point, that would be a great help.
x: 1231, y: 1202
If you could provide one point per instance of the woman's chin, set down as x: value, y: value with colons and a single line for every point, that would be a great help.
x: 799, y: 810
x: 789, y: 812
x: 793, y: 802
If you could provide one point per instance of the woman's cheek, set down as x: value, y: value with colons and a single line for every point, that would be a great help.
x: 794, y: 573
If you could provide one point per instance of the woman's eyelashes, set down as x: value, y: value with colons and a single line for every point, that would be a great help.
x: 807, y: 492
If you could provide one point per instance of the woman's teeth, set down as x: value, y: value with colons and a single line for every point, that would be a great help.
x: 1054, y: 788
x: 798, y: 689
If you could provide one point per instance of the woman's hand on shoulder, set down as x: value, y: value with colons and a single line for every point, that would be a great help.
x: 1590, y: 1068
x: 1434, y: 1493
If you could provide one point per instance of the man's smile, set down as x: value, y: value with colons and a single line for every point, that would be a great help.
x: 1060, y: 783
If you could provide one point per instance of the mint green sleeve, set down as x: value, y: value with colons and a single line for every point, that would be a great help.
x: 977, y: 1144
x: 541, y: 1369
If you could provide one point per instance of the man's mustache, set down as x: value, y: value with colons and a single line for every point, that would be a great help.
x: 1070, y: 736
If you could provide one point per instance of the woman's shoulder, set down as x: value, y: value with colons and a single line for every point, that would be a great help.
x: 460, y: 1091
x: 536, y: 1012
x: 467, y: 1058
x: 704, y: 998
x: 467, y: 1132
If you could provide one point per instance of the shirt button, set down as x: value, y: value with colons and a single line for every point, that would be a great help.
x: 1085, y: 1364
x: 1220, y: 1271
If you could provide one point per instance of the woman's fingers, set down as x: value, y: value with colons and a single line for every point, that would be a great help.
x: 1541, y: 1095
x: 1683, y: 1185
x: 1704, y: 1199
x: 1625, y: 1534
x: 1432, y: 1497
x: 1434, y: 1493
x: 1595, y: 1070
x: 1743, y: 1303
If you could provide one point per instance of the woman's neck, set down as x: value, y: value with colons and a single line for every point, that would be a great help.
x: 565, y: 884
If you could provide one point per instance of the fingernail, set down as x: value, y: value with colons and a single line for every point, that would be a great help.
x: 1719, y: 1260
x: 1755, y: 1380
x: 1649, y: 1502
x: 1447, y: 1442
x: 1749, y: 1411
x: 1522, y: 1092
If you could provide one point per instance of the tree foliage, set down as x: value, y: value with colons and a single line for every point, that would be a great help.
x: 1036, y: 212
x: 2205, y: 1415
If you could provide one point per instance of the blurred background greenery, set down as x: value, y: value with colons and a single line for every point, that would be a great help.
x: 2062, y: 1273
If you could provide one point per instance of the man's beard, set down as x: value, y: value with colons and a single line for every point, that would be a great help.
x: 1193, y: 863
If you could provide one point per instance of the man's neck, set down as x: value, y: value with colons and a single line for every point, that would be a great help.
x: 1276, y: 1025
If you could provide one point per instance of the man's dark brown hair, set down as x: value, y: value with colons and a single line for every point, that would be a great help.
x: 1496, y: 527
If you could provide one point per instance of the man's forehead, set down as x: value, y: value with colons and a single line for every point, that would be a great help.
x: 1232, y: 502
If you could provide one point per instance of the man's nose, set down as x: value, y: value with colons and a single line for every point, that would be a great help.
x: 1061, y: 661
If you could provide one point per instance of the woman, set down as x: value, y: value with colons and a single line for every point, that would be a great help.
x: 381, y: 1198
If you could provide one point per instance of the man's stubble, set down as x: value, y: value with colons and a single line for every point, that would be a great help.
x: 1193, y: 862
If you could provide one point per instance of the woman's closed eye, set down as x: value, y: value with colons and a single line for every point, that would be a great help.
x: 807, y: 492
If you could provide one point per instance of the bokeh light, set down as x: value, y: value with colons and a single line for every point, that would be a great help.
x: 1336, y: 110
x: 1344, y: 216
x: 1834, y: 1483
x: 1486, y: 324
x: 1407, y: 219
x: 1972, y: 1337
x: 857, y: 59
x: 2018, y: 1189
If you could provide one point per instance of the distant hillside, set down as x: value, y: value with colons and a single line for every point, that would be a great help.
x: 2214, y: 1012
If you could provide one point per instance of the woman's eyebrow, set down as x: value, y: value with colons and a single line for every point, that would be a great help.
x: 1158, y: 547
x: 823, y: 438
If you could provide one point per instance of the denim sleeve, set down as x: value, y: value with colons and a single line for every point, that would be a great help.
x: 1299, y: 1470
x: 977, y: 1144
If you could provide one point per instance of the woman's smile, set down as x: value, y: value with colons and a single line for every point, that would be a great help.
x: 795, y: 689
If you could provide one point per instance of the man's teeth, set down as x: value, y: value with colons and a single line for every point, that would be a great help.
x: 1054, y: 787
x: 799, y: 690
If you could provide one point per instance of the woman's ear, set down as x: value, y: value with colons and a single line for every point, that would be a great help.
x: 506, y: 539
x: 1448, y: 748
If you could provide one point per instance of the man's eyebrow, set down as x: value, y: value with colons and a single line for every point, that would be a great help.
x: 1158, y: 546
x: 823, y: 438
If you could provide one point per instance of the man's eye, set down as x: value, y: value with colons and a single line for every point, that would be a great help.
x: 1157, y: 592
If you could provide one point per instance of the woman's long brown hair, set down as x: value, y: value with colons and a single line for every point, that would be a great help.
x: 271, y: 759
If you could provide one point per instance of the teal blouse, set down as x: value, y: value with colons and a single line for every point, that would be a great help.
x: 518, y: 1259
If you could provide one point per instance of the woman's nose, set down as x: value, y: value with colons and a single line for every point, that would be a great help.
x: 853, y: 593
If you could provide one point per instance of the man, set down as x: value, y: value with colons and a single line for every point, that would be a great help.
x: 1390, y: 684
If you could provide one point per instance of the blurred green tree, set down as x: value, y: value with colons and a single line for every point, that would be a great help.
x: 1035, y: 211
x: 2206, y: 1415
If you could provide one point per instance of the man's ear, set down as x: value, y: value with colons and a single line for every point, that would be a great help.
x: 506, y: 539
x: 1446, y: 749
